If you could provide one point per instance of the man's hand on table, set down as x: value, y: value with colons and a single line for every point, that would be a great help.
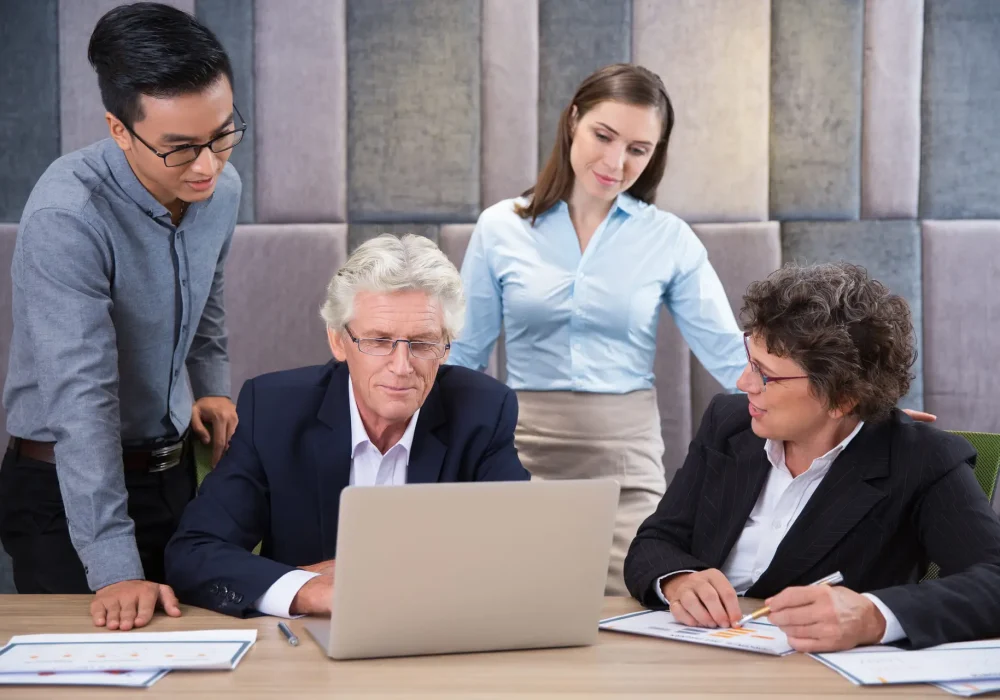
x: 128, y: 604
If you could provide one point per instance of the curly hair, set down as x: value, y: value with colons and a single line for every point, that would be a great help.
x: 853, y: 336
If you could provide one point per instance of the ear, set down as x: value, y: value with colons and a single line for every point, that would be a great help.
x: 118, y: 131
x: 843, y: 410
x: 337, y: 345
x: 574, y: 118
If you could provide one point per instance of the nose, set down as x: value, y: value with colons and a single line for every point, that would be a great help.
x: 400, y: 362
x: 748, y: 382
x: 614, y: 157
x: 206, y: 163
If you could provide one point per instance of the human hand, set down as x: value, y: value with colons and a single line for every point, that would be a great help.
x: 220, y: 413
x: 129, y: 604
x: 702, y: 599
x: 826, y: 618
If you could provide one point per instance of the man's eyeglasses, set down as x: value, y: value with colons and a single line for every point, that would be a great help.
x: 419, y: 349
x: 755, y: 368
x: 189, y: 153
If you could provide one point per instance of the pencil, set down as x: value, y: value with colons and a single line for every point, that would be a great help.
x: 831, y: 580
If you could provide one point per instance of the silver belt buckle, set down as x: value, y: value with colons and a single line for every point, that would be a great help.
x: 165, y: 458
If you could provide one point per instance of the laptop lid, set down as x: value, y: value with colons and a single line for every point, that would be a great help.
x: 445, y: 568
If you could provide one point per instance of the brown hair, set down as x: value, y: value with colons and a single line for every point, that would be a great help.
x: 620, y: 82
x: 853, y: 336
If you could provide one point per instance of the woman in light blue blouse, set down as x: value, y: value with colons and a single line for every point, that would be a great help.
x: 575, y: 271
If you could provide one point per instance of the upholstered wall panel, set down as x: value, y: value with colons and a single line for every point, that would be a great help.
x: 510, y: 98
x: 816, y: 68
x: 81, y: 112
x: 740, y: 254
x: 715, y: 65
x: 301, y: 114
x: 890, y: 137
x: 576, y: 37
x: 454, y: 241
x: 672, y: 368
x: 889, y: 250
x: 232, y: 22
x: 276, y: 279
x: 962, y: 318
x: 8, y: 235
x: 29, y: 100
x: 413, y: 87
x: 359, y: 233
x: 960, y: 139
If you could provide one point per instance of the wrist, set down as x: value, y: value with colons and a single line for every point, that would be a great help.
x: 876, y: 624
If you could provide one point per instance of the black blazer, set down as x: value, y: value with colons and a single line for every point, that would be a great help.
x: 901, y: 495
x: 290, y: 458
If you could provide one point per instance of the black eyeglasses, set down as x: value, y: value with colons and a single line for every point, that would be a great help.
x: 419, y: 349
x: 188, y: 154
x: 755, y: 368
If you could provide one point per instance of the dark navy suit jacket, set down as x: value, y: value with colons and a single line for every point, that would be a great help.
x: 290, y: 458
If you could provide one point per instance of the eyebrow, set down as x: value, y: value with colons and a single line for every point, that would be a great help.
x: 180, y: 138
x: 641, y: 143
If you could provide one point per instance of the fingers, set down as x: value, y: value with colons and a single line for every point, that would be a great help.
x: 727, y: 595
x: 794, y: 597
x: 219, y: 442
x: 113, y: 608
x: 98, y: 613
x: 169, y: 601
x: 231, y: 424
x: 199, y: 427
x: 147, y: 604
x: 692, y: 602
x: 126, y: 618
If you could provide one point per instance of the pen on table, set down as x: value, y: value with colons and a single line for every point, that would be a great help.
x: 833, y: 579
x: 292, y: 639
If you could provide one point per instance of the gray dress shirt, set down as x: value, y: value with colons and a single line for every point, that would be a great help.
x: 118, y: 329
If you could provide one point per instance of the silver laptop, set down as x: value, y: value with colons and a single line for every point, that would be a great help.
x: 446, y: 568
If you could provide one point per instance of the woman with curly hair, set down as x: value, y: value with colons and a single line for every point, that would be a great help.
x: 813, y: 471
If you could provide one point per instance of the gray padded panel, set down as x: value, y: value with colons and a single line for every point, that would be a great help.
x: 510, y: 98
x: 716, y: 68
x: 301, y: 113
x: 454, y: 241
x: 359, y: 233
x: 816, y: 57
x: 740, y: 254
x: 413, y: 110
x: 576, y: 37
x: 889, y: 250
x: 232, y: 22
x: 962, y: 318
x: 960, y: 141
x: 672, y: 369
x: 81, y: 112
x: 276, y: 279
x: 890, y: 137
x: 29, y: 100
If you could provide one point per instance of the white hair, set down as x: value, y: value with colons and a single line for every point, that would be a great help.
x: 390, y: 264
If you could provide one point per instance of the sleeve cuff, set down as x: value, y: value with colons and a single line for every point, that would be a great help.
x: 893, y: 630
x: 659, y: 584
x: 110, y: 561
x: 209, y: 379
x: 277, y: 600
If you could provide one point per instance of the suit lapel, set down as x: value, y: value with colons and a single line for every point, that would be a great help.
x: 427, y: 452
x: 842, y: 499
x: 739, y: 486
x: 329, y: 446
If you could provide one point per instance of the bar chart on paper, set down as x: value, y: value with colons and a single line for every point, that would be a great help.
x: 759, y: 637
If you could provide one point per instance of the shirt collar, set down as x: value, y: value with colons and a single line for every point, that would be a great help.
x: 624, y: 202
x: 359, y: 436
x: 775, y: 450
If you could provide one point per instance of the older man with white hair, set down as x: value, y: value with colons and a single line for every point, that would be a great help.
x: 384, y: 411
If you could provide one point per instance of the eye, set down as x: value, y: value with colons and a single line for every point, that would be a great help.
x: 638, y: 152
x: 603, y: 137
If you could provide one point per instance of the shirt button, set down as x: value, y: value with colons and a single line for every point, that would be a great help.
x: 757, y: 573
x: 776, y: 524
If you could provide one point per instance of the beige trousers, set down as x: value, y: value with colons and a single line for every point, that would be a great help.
x: 575, y: 435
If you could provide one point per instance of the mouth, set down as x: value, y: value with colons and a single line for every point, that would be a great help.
x: 398, y: 390
x: 756, y: 412
x: 605, y: 180
x: 201, y: 185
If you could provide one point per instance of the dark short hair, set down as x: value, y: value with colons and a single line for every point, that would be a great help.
x: 148, y: 48
x: 853, y: 337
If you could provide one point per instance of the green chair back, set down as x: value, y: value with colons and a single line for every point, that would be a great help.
x: 987, y: 472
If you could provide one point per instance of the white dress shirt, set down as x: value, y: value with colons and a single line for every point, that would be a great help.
x: 369, y: 467
x: 779, y: 504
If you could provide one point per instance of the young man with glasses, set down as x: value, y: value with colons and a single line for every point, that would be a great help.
x: 119, y: 343
x: 385, y: 412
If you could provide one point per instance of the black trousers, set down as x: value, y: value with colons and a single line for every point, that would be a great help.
x: 33, y: 525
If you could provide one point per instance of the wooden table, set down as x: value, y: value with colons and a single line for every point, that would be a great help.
x: 618, y: 666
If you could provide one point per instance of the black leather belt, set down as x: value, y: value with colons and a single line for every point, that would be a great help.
x: 152, y: 460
